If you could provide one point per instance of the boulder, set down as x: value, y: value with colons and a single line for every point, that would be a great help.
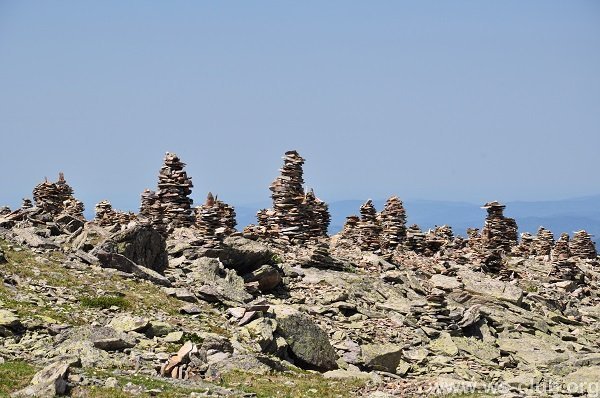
x: 141, y: 244
x: 267, y: 276
x: 109, y: 339
x: 48, y: 382
x: 122, y: 263
x: 445, y: 282
x: 91, y: 236
x: 385, y: 357
x: 307, y: 342
x: 213, y: 283
x: 244, y: 255
x: 9, y: 323
x: 483, y: 285
x: 30, y: 238
x: 129, y: 323
x: 69, y: 224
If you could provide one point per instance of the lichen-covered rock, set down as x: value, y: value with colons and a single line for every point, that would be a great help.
x: 244, y: 255
x: 308, y: 342
x: 385, y: 357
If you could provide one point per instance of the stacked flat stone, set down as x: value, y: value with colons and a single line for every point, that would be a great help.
x: 151, y: 211
x: 350, y: 234
x: 51, y: 196
x: 393, y: 223
x: 288, y: 214
x: 499, y: 232
x: 174, y: 188
x: 73, y: 207
x: 561, y: 250
x: 26, y: 204
x: 439, y: 237
x: 474, y: 238
x: 543, y: 243
x: 105, y: 215
x: 208, y: 221
x: 320, y: 257
x: 525, y: 246
x: 435, y: 315
x: 369, y: 228
x: 415, y: 239
x: 564, y: 268
x: 5, y: 210
x: 317, y: 216
x: 582, y: 245
x: 226, y: 217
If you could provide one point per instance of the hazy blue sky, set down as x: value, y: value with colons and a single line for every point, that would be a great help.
x: 455, y: 100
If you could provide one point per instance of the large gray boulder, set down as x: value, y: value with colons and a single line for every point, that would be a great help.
x: 385, y: 357
x: 307, y: 341
x: 109, y: 339
x: 210, y: 281
x: 123, y: 264
x: 244, y: 255
x: 48, y: 382
x: 141, y: 244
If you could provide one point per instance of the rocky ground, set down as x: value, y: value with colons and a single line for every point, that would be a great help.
x: 103, y: 312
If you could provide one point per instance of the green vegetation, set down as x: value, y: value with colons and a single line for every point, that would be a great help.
x: 14, y: 376
x: 291, y: 385
x: 276, y: 259
x: 105, y: 302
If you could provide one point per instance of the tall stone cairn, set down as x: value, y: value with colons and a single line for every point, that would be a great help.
x: 543, y: 242
x: 350, y: 234
x: 317, y: 216
x: 526, y: 246
x: 151, y: 211
x: 369, y: 228
x: 105, y: 215
x: 498, y: 232
x: 296, y: 217
x: 561, y: 250
x: 393, y: 224
x: 174, y: 188
x: 582, y: 245
x: 415, y: 239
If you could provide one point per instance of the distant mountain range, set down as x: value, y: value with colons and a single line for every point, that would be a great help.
x: 559, y: 216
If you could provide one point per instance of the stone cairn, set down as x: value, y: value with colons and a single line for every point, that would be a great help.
x: 369, y: 228
x: 318, y: 217
x: 393, y: 223
x: 296, y: 217
x: 438, y: 238
x: 215, y: 220
x: 106, y: 216
x: 349, y: 236
x: 582, y: 245
x: 55, y: 198
x: 151, y: 211
x: 26, y: 204
x: 174, y: 188
x: 498, y: 236
x: 543, y: 242
x: 435, y: 316
x: 563, y: 267
x: 415, y: 239
x: 525, y: 246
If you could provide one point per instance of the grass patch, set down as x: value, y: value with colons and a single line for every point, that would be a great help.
x: 291, y: 385
x: 14, y: 376
x: 105, y: 302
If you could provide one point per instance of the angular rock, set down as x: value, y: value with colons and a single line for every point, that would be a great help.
x: 308, y: 343
x: 48, y: 382
x: 385, y: 357
x: 479, y: 283
x: 244, y: 255
x: 108, y: 339
x: 267, y: 276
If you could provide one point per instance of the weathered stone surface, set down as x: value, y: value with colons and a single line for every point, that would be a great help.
x: 244, y: 255
x: 481, y: 284
x: 48, y: 382
x: 445, y: 282
x: 139, y: 243
x: 122, y: 263
x: 215, y: 283
x: 584, y: 380
x: 28, y: 236
x: 267, y: 276
x: 129, y: 323
x: 384, y: 357
x: 309, y: 343
x: 444, y: 345
x: 108, y: 339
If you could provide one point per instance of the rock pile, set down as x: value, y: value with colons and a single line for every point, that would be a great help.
x: 151, y: 211
x: 582, y: 245
x: 435, y: 315
x: 393, y: 223
x: 369, y: 228
x: 561, y: 250
x: 55, y: 198
x: 543, y: 243
x: 174, y: 188
x: 525, y: 246
x: 317, y: 215
x: 296, y: 217
x: 105, y: 215
x: 415, y: 239
x: 26, y: 204
x: 215, y: 220
x: 349, y: 236
x: 499, y: 232
x: 178, y: 365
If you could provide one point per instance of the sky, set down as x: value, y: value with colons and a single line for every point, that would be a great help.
x: 461, y: 100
